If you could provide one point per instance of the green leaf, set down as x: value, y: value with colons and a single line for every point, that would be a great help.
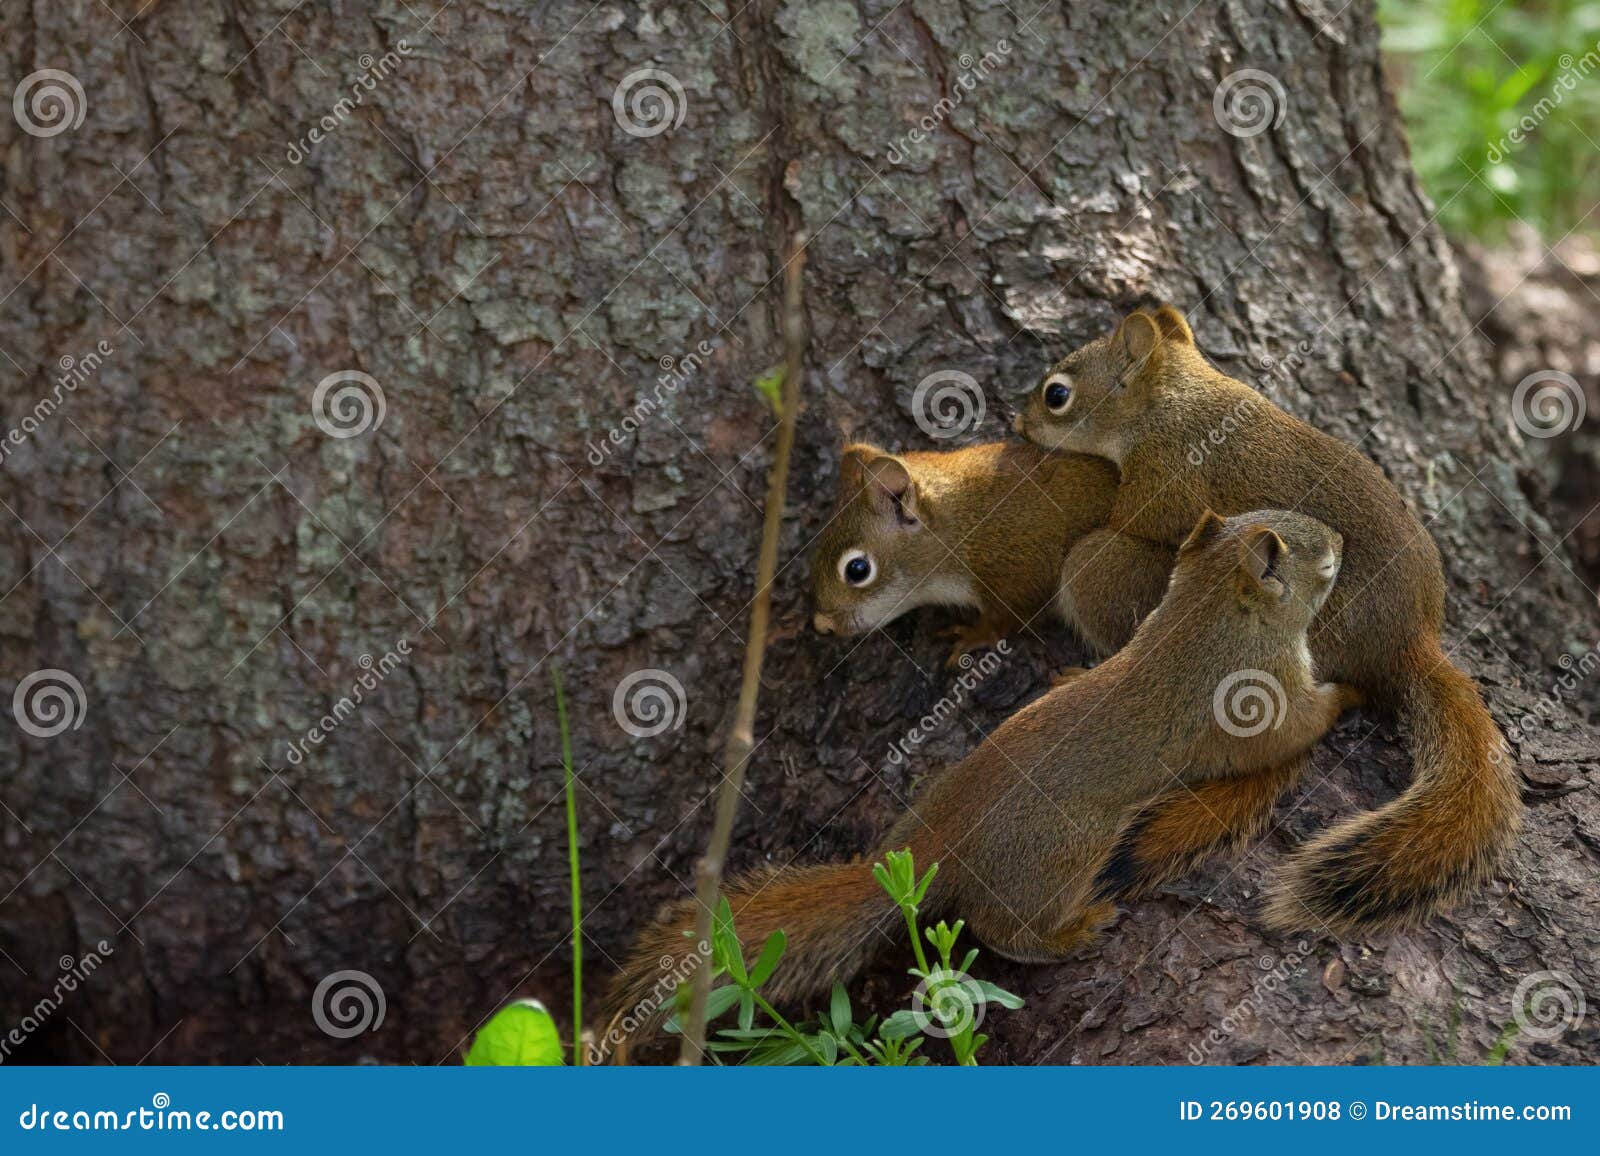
x: 735, y: 964
x: 783, y: 1055
x: 1502, y: 1045
x: 770, y: 386
x: 747, y: 1008
x: 771, y: 952
x: 881, y: 874
x: 726, y: 951
x: 839, y: 1008
x: 720, y: 1000
x: 828, y: 1046
x: 993, y: 994
x: 899, y: 1026
x: 521, y: 1035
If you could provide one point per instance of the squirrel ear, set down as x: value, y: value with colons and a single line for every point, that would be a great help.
x: 892, y: 488
x: 1259, y: 552
x: 853, y: 465
x: 1138, y: 337
x: 1173, y: 326
x: 1206, y: 530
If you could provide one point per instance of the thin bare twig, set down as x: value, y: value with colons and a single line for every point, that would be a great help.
x: 741, y: 738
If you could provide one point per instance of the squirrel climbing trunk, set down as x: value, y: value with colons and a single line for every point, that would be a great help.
x: 1421, y: 851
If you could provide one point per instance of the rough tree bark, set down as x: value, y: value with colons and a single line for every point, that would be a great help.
x: 514, y: 270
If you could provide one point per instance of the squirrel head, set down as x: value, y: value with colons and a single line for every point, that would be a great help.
x: 876, y: 551
x: 1089, y: 399
x: 1272, y: 566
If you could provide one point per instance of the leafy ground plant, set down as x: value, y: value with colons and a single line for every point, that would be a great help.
x: 948, y: 1003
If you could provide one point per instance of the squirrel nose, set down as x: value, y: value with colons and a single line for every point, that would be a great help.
x: 823, y: 624
x: 1016, y: 424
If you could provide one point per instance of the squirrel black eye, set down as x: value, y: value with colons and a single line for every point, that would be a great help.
x: 856, y: 568
x: 1056, y: 396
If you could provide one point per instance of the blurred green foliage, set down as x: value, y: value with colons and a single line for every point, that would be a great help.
x: 1502, y: 104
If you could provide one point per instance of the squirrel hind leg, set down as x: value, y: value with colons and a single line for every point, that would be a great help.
x: 1176, y: 831
x: 1075, y: 933
x: 1084, y: 930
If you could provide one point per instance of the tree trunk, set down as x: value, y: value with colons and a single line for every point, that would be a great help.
x: 561, y: 296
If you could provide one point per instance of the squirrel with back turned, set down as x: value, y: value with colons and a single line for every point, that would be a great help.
x: 984, y: 528
x: 1144, y: 397
x: 1023, y: 827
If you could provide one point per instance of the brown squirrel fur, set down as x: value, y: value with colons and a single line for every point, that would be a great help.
x: 1186, y: 437
x: 1022, y: 828
x: 983, y: 528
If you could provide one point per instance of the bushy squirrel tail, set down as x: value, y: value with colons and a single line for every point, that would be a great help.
x: 1420, y: 852
x: 833, y: 917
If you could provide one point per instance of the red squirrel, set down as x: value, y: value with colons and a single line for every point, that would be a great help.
x: 1144, y: 397
x: 983, y: 528
x: 1023, y: 827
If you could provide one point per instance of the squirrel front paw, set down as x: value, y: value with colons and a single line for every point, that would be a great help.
x: 968, y: 639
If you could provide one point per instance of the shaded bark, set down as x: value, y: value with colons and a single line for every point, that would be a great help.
x: 482, y: 238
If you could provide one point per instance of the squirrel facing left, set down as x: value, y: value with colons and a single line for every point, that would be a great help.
x: 984, y: 528
x: 1023, y: 826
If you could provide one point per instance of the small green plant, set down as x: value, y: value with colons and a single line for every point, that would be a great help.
x: 947, y: 1003
x: 1450, y: 1052
x: 947, y: 995
x: 572, y: 868
x: 523, y: 1034
x: 1500, y: 1048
